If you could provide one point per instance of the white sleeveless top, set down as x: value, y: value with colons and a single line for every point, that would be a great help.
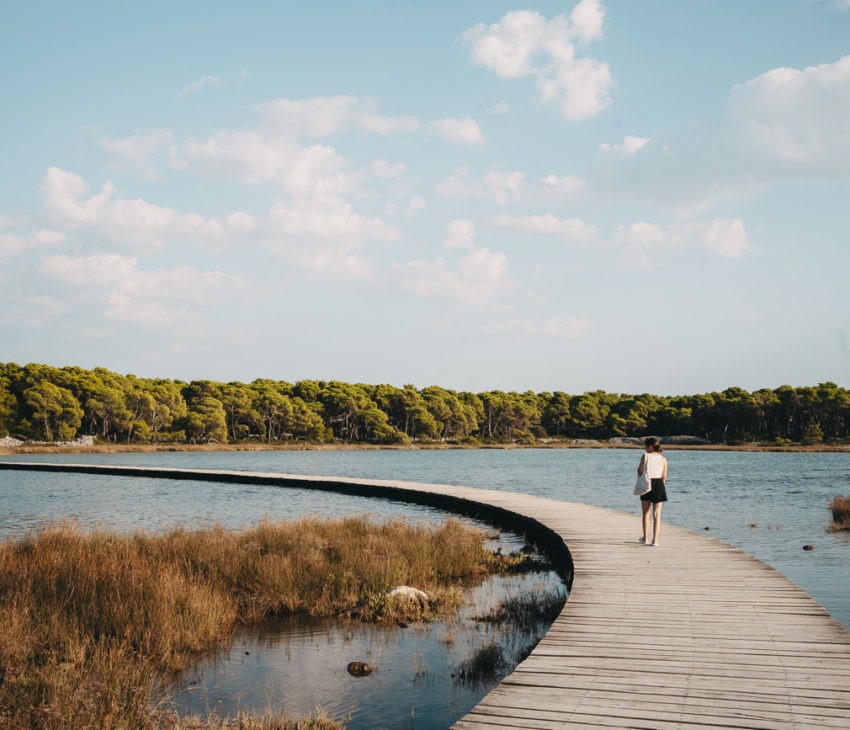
x: 654, y: 465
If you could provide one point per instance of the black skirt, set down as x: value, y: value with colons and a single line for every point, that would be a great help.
x: 658, y: 493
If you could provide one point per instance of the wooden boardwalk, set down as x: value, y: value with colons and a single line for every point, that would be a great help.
x: 691, y: 634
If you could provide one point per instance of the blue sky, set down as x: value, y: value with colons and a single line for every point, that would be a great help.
x: 629, y: 196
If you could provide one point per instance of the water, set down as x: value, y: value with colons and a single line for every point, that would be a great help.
x: 768, y: 504
x: 299, y: 663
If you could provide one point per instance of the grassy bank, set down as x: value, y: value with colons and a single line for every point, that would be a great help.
x: 112, y: 448
x: 93, y: 620
x: 840, y: 513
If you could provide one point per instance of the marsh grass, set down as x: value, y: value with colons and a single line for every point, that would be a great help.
x: 93, y: 621
x: 526, y: 611
x: 485, y: 664
x: 268, y: 721
x: 840, y: 513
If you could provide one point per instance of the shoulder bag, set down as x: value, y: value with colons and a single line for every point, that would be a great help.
x: 643, y: 483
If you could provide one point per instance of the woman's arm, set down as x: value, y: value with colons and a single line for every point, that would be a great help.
x: 664, y: 473
x: 640, y: 466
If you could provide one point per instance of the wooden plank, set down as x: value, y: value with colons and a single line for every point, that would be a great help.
x: 693, y: 634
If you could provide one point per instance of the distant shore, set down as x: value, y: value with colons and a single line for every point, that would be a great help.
x: 153, y: 448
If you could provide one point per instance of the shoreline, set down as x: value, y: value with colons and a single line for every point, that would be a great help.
x: 153, y: 448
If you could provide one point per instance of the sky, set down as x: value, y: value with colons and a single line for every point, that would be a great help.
x: 636, y: 197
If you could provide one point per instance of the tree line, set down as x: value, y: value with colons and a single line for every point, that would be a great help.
x: 41, y: 402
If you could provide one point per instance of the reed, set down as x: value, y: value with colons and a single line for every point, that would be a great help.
x: 840, y: 513
x: 527, y: 610
x: 93, y: 620
x: 484, y: 665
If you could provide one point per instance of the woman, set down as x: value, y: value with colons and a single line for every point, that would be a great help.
x: 656, y: 469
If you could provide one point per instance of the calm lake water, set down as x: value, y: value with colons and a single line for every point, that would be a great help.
x: 768, y: 504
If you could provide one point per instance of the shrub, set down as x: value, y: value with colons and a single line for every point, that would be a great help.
x: 840, y: 513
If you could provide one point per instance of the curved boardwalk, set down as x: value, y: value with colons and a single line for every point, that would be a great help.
x: 693, y: 634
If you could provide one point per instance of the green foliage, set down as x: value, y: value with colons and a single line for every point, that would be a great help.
x: 812, y: 434
x: 56, y: 413
x: 43, y: 402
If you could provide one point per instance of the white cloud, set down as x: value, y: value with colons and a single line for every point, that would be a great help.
x: 587, y: 19
x: 334, y: 218
x: 460, y: 234
x: 97, y: 270
x: 524, y: 43
x: 253, y: 159
x: 205, y: 82
x: 414, y: 205
x: 501, y: 107
x: 130, y: 222
x: 496, y: 185
x: 643, y: 235
x: 322, y: 236
x: 31, y: 311
x: 785, y: 125
x: 138, y: 151
x: 239, y: 223
x: 629, y: 147
x: 479, y: 276
x: 463, y: 131
x: 726, y: 237
x: 548, y: 225
x: 562, y: 188
x: 12, y: 245
x: 555, y: 326
x: 387, y: 170
x: 159, y: 298
x: 384, y: 125
x: 316, y: 117
x: 796, y: 118
x: 318, y: 232
x: 329, y: 115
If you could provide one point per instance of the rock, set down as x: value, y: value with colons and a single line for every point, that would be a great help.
x: 84, y: 441
x: 685, y: 440
x: 680, y: 440
x: 808, y: 547
x: 408, y: 593
x: 360, y: 669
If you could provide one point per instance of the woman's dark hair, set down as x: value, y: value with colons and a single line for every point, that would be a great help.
x: 653, y: 443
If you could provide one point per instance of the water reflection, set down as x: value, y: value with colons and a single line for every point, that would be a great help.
x: 298, y: 663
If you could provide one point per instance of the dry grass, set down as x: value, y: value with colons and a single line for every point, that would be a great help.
x: 269, y: 721
x: 92, y: 621
x: 840, y: 513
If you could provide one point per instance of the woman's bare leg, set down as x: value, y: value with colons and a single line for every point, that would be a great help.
x: 645, y: 504
x: 656, y: 522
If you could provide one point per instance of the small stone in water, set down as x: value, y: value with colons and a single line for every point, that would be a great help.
x: 808, y: 547
x: 360, y: 669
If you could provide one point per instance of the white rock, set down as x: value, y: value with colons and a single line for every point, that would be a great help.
x: 411, y: 594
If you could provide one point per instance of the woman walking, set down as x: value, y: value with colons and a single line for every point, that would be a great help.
x: 656, y: 469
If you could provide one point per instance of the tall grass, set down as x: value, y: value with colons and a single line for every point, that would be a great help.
x: 840, y: 513
x: 92, y: 620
